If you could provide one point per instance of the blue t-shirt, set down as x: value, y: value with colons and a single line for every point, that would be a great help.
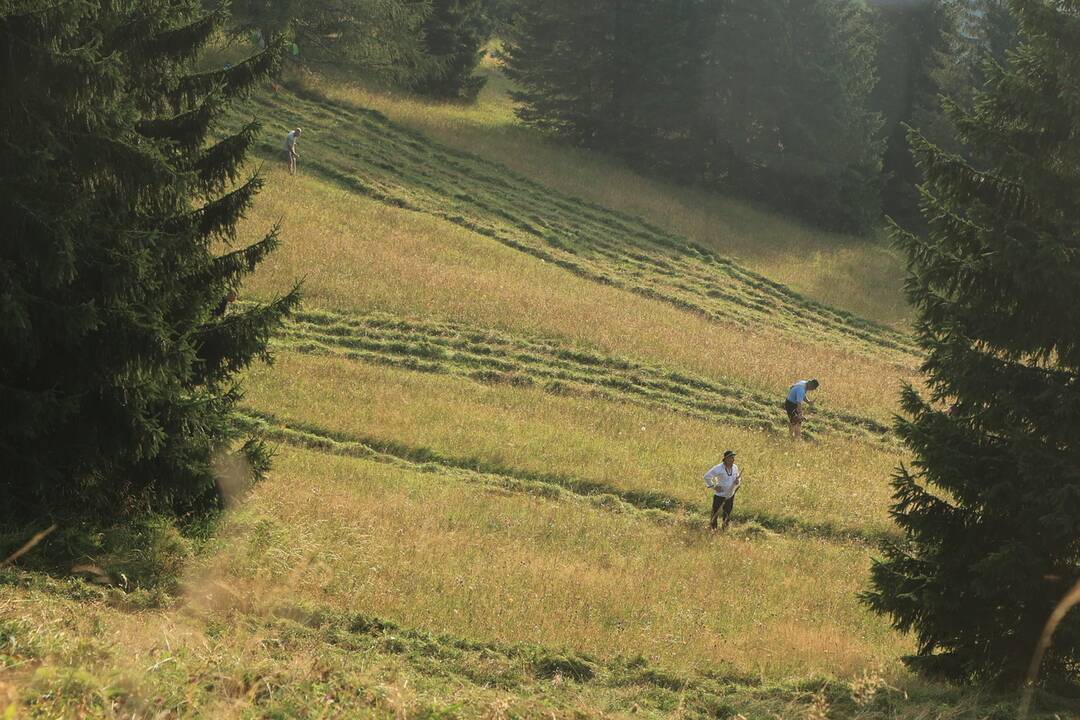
x: 797, y: 393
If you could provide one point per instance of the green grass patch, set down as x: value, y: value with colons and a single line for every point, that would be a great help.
x: 494, y: 357
x: 653, y: 505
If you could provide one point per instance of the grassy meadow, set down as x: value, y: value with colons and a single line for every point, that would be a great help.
x: 626, y: 448
x: 864, y: 275
x: 357, y: 254
x: 444, y: 556
x: 490, y: 423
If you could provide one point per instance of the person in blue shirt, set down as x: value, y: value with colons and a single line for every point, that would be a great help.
x: 796, y: 397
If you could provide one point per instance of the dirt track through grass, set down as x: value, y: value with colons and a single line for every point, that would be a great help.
x: 492, y: 357
x: 361, y: 150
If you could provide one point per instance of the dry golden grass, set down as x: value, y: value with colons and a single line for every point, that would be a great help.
x: 358, y: 254
x: 251, y: 640
x: 437, y: 554
x: 862, y: 275
x: 839, y: 482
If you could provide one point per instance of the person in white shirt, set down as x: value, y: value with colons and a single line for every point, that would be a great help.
x: 723, y: 480
x: 291, y: 156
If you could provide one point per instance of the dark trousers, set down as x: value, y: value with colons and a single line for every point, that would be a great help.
x: 721, y: 505
x: 793, y: 415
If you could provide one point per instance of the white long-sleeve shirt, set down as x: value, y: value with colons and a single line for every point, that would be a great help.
x: 290, y: 141
x: 722, y: 481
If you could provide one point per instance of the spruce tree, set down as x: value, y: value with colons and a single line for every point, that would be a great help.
x: 826, y: 164
x: 455, y: 32
x: 118, y: 349
x: 785, y: 107
x: 761, y: 98
x: 560, y: 54
x: 990, y: 507
x: 501, y: 14
x: 918, y: 42
x: 992, y: 26
x: 618, y: 75
x: 985, y: 32
x: 378, y: 39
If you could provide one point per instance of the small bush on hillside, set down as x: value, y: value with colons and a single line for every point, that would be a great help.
x: 146, y: 554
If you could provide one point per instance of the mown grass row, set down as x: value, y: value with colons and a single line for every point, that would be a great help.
x: 296, y: 659
x: 634, y: 447
x: 356, y: 255
x: 493, y: 357
x: 653, y: 505
x: 861, y: 275
x: 364, y: 152
x: 712, y: 692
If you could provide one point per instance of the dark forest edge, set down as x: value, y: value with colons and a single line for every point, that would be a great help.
x: 802, y: 107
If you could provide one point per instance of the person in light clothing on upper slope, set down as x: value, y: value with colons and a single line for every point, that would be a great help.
x: 724, y: 481
x: 796, y: 398
x: 291, y: 156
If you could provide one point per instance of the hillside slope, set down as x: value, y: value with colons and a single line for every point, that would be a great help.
x: 491, y: 421
x: 367, y: 154
x: 863, y: 275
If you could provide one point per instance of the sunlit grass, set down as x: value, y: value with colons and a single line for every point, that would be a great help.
x: 489, y: 356
x: 358, y: 254
x: 361, y: 151
x: 434, y: 554
x: 280, y: 623
x: 862, y: 275
x: 841, y: 483
x: 283, y: 614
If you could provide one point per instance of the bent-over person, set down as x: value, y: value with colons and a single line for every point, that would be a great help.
x: 793, y: 405
x: 724, y: 481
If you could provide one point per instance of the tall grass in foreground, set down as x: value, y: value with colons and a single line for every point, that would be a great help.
x: 434, y: 554
x: 862, y: 275
x: 840, y: 482
x: 357, y: 254
x: 69, y: 651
